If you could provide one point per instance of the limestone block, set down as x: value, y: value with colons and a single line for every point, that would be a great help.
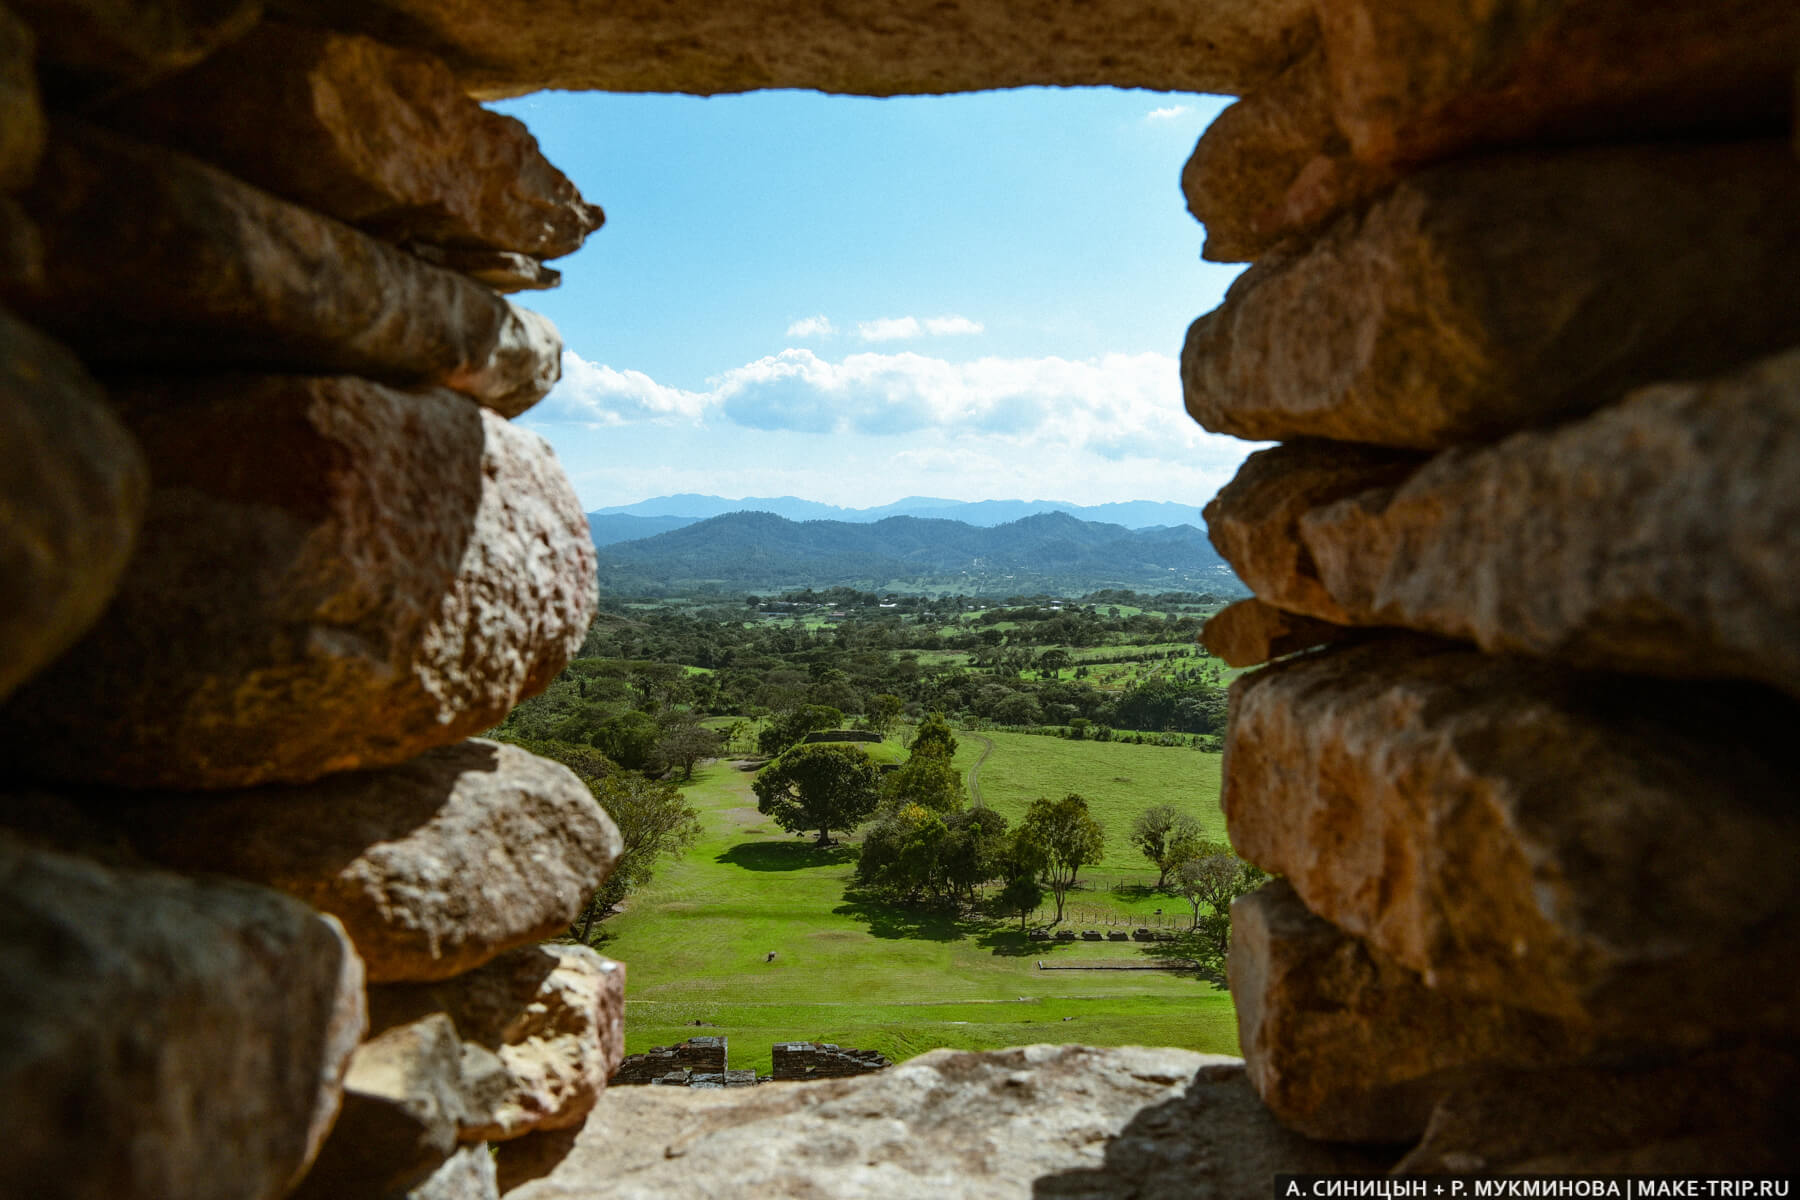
x: 1344, y: 1044
x: 94, y: 46
x: 164, y: 1036
x: 403, y: 1100
x: 1727, y: 1112
x: 381, y: 138
x: 1254, y: 519
x: 1032, y: 1121
x: 1488, y: 295
x: 1394, y: 85
x: 502, y: 270
x: 433, y: 867
x: 1598, y: 848
x: 332, y: 576
x: 553, y: 1015
x: 469, y: 1174
x: 21, y: 114
x: 1250, y: 633
x: 886, y: 47
x: 72, y: 493
x: 160, y: 259
x: 1657, y: 536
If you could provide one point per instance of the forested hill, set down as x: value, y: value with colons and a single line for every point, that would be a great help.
x: 1051, y: 553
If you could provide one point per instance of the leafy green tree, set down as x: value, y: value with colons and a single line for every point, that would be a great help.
x: 1215, y: 877
x: 586, y: 761
x: 1022, y: 894
x: 655, y: 822
x: 1051, y: 662
x: 928, y: 780
x: 823, y: 786
x: 933, y: 736
x: 629, y: 739
x: 884, y: 710
x: 788, y: 728
x: 685, y: 741
x: 1167, y: 837
x: 976, y: 851
x: 903, y: 854
x: 1065, y: 838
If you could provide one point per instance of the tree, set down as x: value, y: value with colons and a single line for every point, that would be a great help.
x: 1022, y: 894
x: 629, y: 739
x: 823, y: 786
x: 788, y: 728
x: 933, y: 736
x: 928, y: 780
x: 976, y: 850
x: 1051, y: 662
x: 655, y: 821
x: 903, y: 854
x: 1065, y: 838
x: 685, y: 741
x: 1215, y: 877
x: 884, y: 710
x: 1167, y: 837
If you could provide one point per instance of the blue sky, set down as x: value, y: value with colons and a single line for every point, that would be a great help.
x: 854, y: 300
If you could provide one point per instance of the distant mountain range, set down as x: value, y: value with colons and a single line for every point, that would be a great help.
x: 1050, y: 552
x: 646, y: 518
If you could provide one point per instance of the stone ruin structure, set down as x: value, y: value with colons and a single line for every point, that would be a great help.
x: 824, y: 1060
x: 700, y: 1055
x: 1523, y: 318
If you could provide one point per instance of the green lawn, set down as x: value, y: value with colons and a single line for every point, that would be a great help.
x: 695, y: 943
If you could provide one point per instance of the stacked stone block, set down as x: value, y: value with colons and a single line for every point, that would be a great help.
x: 703, y: 1055
x: 824, y: 1060
x: 270, y: 553
x: 1523, y: 318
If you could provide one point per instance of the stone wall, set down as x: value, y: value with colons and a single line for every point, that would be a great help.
x: 704, y: 1055
x: 1524, y: 317
x: 270, y: 552
x: 823, y: 1060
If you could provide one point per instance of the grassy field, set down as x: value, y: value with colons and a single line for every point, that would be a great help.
x: 695, y: 943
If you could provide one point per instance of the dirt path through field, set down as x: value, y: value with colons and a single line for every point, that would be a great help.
x: 987, y: 748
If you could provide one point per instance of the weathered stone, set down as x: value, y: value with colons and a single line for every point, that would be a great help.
x: 93, y: 46
x: 1602, y: 849
x: 21, y: 249
x: 1391, y: 86
x: 21, y: 115
x: 1657, y: 536
x: 501, y: 270
x: 403, y: 1101
x: 1035, y: 1121
x: 164, y: 1036
x: 1725, y: 1113
x: 506, y: 47
x: 1250, y: 633
x: 1345, y: 1044
x: 71, y: 499
x: 1484, y: 296
x: 384, y: 139
x: 553, y: 1014
x: 160, y: 259
x: 1253, y: 520
x: 469, y: 1174
x: 434, y: 866
x: 332, y: 576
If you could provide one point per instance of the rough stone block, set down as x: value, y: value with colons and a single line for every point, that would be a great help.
x: 1035, y: 1121
x: 433, y: 867
x: 1657, y: 536
x: 1485, y: 296
x: 501, y: 270
x: 553, y: 1014
x: 332, y: 576
x: 21, y: 114
x: 160, y: 259
x: 886, y: 47
x: 1601, y: 849
x: 1346, y: 1045
x: 1254, y: 519
x: 381, y: 138
x: 72, y: 494
x: 1250, y: 633
x: 404, y: 1097
x: 469, y: 1174
x: 94, y: 46
x: 1726, y: 1113
x: 1394, y: 85
x: 164, y: 1036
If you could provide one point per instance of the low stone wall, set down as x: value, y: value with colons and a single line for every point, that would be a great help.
x: 702, y: 1054
x: 824, y: 1060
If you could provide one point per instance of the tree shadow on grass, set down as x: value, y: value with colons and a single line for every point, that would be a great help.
x: 786, y: 856
x: 1008, y: 942
x: 1195, y: 948
x: 886, y: 919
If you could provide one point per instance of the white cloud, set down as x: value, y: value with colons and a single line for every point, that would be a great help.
x: 596, y: 394
x: 952, y: 326
x: 1167, y: 113
x: 888, y: 329
x: 819, y: 326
